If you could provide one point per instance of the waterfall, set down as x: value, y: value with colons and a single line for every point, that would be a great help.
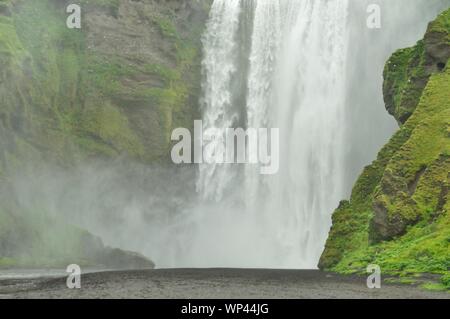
x: 296, y: 81
x: 219, y: 65
x: 285, y: 64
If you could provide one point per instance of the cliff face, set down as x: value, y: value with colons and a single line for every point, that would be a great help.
x: 407, y: 72
x: 399, y: 215
x: 116, y: 87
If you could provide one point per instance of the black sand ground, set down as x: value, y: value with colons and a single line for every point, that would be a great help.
x: 211, y: 283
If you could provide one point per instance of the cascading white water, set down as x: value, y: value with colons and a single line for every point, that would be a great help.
x: 219, y: 64
x: 296, y: 82
x: 310, y: 107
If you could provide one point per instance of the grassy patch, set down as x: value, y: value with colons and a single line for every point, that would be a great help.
x: 166, y: 27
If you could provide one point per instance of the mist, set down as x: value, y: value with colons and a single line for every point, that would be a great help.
x: 166, y: 213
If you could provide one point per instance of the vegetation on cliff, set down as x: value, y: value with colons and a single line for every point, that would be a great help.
x: 398, y: 215
x: 115, y: 87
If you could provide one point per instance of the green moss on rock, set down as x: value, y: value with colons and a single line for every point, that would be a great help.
x: 399, y: 213
x: 408, y: 70
x: 67, y: 96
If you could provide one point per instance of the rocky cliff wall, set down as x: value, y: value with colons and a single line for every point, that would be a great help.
x: 114, y: 88
x: 398, y: 213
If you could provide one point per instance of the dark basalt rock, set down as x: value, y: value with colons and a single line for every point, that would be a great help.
x: 99, y: 255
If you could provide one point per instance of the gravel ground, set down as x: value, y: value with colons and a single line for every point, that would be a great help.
x: 210, y: 283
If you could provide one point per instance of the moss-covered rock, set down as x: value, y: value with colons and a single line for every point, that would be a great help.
x: 399, y: 213
x: 408, y: 70
x: 115, y: 87
x: 33, y: 239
